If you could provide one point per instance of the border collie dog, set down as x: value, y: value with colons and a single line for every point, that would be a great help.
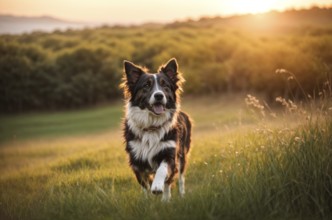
x: 156, y: 132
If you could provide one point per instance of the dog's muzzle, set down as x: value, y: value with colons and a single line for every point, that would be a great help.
x: 158, y: 103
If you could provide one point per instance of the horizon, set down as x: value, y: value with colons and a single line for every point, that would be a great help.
x: 112, y: 13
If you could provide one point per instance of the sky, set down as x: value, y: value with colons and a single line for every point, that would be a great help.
x: 140, y: 11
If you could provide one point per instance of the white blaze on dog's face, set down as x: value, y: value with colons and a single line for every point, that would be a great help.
x: 153, y: 91
x: 157, y: 99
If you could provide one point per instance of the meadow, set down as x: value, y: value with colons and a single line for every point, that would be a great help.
x: 247, y: 162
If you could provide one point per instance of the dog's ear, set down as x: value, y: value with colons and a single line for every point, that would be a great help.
x: 171, y: 69
x: 132, y: 71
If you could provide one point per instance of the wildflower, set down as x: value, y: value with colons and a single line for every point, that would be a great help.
x: 289, y: 104
x: 254, y: 103
x: 281, y: 71
x: 292, y: 106
x: 282, y: 101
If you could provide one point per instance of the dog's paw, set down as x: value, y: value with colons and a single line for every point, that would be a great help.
x: 157, y: 191
x: 157, y: 187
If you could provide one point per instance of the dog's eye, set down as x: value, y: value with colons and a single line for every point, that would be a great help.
x: 147, y: 85
x: 163, y: 84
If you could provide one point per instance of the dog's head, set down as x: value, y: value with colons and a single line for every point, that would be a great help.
x: 157, y: 92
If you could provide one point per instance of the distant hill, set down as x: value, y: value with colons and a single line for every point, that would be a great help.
x: 273, y: 20
x: 10, y: 24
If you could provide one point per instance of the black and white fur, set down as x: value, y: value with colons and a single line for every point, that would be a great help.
x: 156, y: 132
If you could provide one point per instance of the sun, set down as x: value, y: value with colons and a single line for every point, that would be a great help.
x: 251, y: 6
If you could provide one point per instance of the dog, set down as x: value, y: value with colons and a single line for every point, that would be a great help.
x: 157, y: 134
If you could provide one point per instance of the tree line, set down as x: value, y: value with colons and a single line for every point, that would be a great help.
x: 76, y: 68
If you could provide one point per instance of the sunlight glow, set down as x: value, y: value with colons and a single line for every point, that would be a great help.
x: 252, y: 6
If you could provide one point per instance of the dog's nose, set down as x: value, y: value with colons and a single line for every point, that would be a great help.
x: 158, y: 96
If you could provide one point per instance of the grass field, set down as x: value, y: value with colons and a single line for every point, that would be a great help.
x: 39, y: 125
x: 243, y: 165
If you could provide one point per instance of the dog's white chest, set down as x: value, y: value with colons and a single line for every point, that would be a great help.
x: 149, y: 146
x: 149, y: 143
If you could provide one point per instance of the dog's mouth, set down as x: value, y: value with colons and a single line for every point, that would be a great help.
x: 158, y: 108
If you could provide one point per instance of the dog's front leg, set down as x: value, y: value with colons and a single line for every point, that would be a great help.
x: 167, y: 193
x: 158, y: 183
